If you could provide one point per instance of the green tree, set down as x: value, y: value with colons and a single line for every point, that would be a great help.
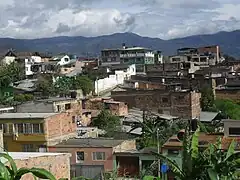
x: 108, y: 122
x: 45, y: 85
x: 63, y: 85
x: 10, y: 73
x: 84, y: 83
x: 228, y: 108
x: 207, y: 99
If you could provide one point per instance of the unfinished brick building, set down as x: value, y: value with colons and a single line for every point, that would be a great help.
x: 184, y: 104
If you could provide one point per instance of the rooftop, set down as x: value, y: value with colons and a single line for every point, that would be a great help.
x: 90, y: 143
x: 55, y: 99
x: 26, y: 115
x: 27, y: 155
x: 126, y: 49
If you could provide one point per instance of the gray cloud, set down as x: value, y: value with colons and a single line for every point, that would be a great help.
x: 155, y: 18
x: 62, y: 28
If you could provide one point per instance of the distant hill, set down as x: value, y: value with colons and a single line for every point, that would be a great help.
x: 83, y: 46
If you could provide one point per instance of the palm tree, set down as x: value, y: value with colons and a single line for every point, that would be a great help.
x: 153, y: 125
x: 212, y: 163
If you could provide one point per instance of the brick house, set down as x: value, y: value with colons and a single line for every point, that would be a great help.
x: 117, y: 108
x: 34, y: 132
x: 57, y: 163
x: 93, y: 152
x: 184, y: 104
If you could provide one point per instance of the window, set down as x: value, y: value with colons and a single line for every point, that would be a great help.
x: 66, y: 59
x: 4, y: 127
x: 28, y: 129
x: 234, y: 131
x: 58, y: 108
x: 28, y: 148
x: 164, y: 100
x: 98, y: 156
x: 37, y: 128
x: 80, y: 156
x: 67, y: 106
x: 73, y: 119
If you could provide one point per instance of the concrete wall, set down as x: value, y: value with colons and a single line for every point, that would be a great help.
x: 113, y: 80
x: 35, y: 107
x: 58, y: 165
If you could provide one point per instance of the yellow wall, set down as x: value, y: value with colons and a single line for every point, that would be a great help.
x: 15, y: 146
x: 14, y: 143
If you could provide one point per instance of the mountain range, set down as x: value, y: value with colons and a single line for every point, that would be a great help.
x: 91, y: 46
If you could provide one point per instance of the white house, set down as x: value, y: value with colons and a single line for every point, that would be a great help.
x: 61, y: 59
x: 9, y: 58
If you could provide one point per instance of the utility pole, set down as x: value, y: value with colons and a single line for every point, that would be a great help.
x: 158, y: 146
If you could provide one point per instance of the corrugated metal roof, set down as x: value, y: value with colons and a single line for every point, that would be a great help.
x: 90, y: 143
x: 207, y: 116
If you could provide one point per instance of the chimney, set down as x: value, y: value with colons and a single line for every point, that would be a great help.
x: 123, y: 46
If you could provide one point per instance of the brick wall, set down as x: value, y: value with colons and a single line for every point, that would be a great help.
x: 58, y: 165
x: 60, y: 127
x: 182, y: 104
x: 233, y: 95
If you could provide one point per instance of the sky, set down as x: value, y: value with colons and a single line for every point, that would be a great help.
x: 165, y: 19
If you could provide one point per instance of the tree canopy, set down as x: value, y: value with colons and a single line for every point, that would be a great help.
x: 207, y: 99
x: 10, y: 73
x: 228, y: 108
x: 108, y: 122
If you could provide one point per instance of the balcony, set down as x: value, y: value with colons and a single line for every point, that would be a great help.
x: 29, y: 137
x: 132, y: 55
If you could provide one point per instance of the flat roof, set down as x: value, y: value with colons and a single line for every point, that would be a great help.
x: 90, y: 143
x: 55, y: 99
x: 26, y: 115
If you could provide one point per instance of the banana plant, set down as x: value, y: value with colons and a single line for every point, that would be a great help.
x: 10, y: 172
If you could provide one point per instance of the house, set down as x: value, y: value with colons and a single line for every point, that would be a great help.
x: 9, y: 57
x: 117, y: 108
x: 173, y: 147
x: 45, y: 67
x: 181, y: 103
x: 61, y: 60
x: 34, y: 132
x: 90, y: 154
x: 50, y: 105
x: 56, y: 163
x: 130, y: 163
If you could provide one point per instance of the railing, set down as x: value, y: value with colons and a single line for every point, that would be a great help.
x: 132, y: 55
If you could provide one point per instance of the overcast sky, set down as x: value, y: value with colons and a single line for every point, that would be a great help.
x: 154, y: 18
